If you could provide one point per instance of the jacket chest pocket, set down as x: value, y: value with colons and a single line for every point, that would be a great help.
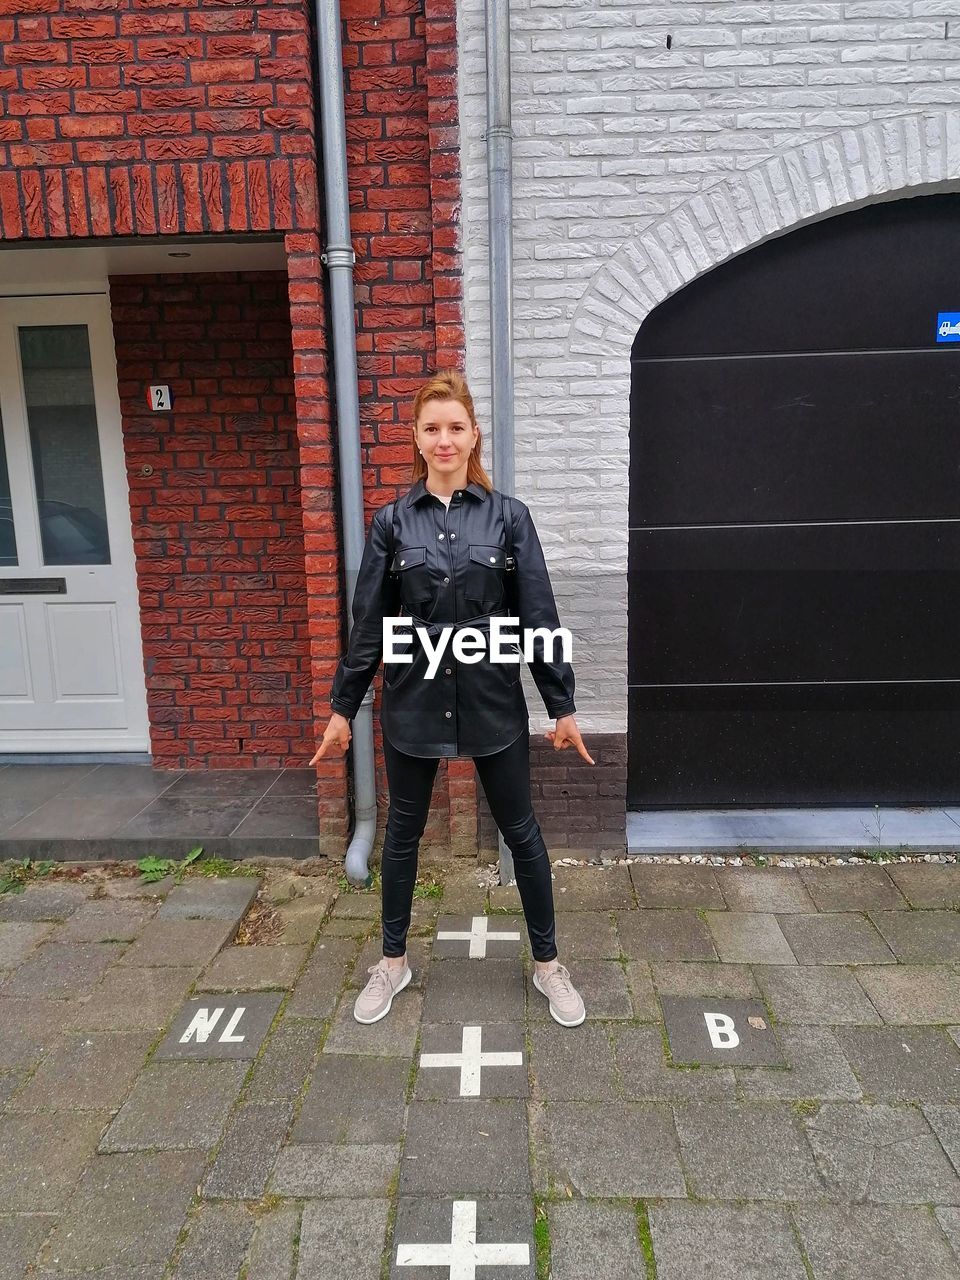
x: 413, y: 575
x: 483, y: 582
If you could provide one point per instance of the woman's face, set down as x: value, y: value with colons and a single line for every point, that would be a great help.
x: 445, y: 436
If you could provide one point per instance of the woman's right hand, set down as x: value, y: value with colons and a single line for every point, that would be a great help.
x: 336, y: 734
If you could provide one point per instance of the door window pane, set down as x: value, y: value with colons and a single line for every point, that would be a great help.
x: 8, y: 539
x: 64, y: 445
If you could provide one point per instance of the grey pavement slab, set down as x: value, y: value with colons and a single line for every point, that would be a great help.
x: 342, y: 1240
x: 664, y: 933
x: 393, y: 1036
x: 475, y: 991
x: 358, y: 906
x: 746, y: 1150
x: 816, y: 995
x: 354, y: 1099
x: 569, y: 1067
x: 129, y: 999
x: 913, y: 994
x: 323, y: 978
x: 217, y: 1240
x: 881, y: 1154
x: 920, y: 937
x: 43, y: 1155
x: 590, y: 1239
x: 479, y: 937
x: 10, y: 1082
x: 642, y: 994
x: 586, y: 935
x: 44, y: 902
x: 460, y: 1234
x: 249, y: 1151
x: 928, y: 886
x: 107, y: 921
x: 748, y: 937
x: 592, y: 888
x: 835, y: 937
x: 28, y: 1028
x: 888, y: 1243
x: 703, y: 1029
x: 220, y: 1026
x: 192, y: 819
x: 768, y: 889
x: 176, y: 1105
x: 19, y: 938
x: 61, y: 970
x: 126, y: 1211
x: 906, y: 1064
x: 728, y: 981
x: 271, y: 1253
x: 463, y: 894
x: 816, y: 1068
x: 646, y: 1076
x: 202, y: 898
x: 86, y: 1072
x: 949, y: 1220
x: 602, y: 984
x: 673, y: 885
x: 472, y: 1061
x: 21, y: 1235
x: 851, y: 888
x: 322, y: 1170
x: 253, y: 968
x: 467, y: 1146
x: 286, y: 1061
x: 724, y: 1242
x: 606, y: 1149
x: 179, y: 942
x: 945, y: 1122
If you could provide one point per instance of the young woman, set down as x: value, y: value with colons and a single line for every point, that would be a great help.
x: 454, y: 551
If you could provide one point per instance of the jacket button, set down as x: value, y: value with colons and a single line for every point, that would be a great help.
x: 452, y: 536
x: 446, y: 580
x: 402, y: 563
x: 448, y: 671
x: 440, y: 536
x: 493, y: 559
x: 448, y: 714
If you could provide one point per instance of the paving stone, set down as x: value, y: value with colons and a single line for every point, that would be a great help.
x: 216, y: 1242
x: 729, y: 1032
x: 887, y: 1243
x: 667, y: 933
x: 425, y: 1221
x: 221, y: 1026
x: 272, y: 1250
x: 588, y: 1239
x: 816, y: 1068
x: 835, y: 937
x: 61, y: 970
x: 349, y: 927
x: 112, y: 921
x: 354, y: 1100
x: 249, y: 1151
x: 44, y: 902
x: 927, y: 886
x: 342, y: 1240
x: 179, y: 942
x: 323, y: 978
x: 592, y: 888
x: 850, y: 888
x: 723, y: 981
x: 605, y: 1149
x: 419, y: 951
x: 913, y: 994
x: 815, y: 995
x: 86, y: 1072
x: 567, y: 1067
x: 586, y: 935
x: 903, y: 1064
x: 478, y: 938
x: 748, y: 937
x: 19, y: 938
x: 21, y: 1235
x: 284, y: 1065
x: 301, y: 919
x: 880, y: 1153
x: 43, y: 1155
x: 129, y: 999
x: 723, y: 1242
x: 176, y: 1105
x: 945, y: 1122
x: 601, y: 983
x: 393, y: 1036
x: 462, y: 894
x: 465, y: 1147
x: 153, y: 1271
x: 496, y: 1081
x: 674, y: 885
x: 642, y: 995
x: 124, y: 885
x: 322, y: 1170
x: 505, y: 898
x: 920, y: 937
x: 746, y: 1150
x: 28, y: 1028
x: 770, y: 890
x: 253, y: 968
x: 645, y: 1074
x: 210, y: 899
x: 358, y: 906
x: 949, y: 1220
x: 126, y: 1211
x: 10, y: 1082
x: 475, y: 991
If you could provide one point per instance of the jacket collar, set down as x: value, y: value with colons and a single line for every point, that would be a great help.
x: 419, y: 491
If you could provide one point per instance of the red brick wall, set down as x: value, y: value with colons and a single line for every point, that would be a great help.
x: 215, y: 507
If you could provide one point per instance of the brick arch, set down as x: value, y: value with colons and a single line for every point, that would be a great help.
x: 883, y: 160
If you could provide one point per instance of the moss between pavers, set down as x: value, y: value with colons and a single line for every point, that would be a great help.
x: 646, y: 1243
x: 541, y: 1236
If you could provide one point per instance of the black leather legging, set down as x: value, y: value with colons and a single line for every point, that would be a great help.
x: 505, y: 778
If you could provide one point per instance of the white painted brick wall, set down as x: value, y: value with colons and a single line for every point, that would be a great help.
x: 637, y: 168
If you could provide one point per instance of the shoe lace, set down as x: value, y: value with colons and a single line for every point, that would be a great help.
x: 379, y: 978
x: 559, y: 980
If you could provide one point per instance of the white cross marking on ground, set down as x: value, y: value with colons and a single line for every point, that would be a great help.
x: 471, y: 1060
x: 463, y: 1255
x: 478, y: 937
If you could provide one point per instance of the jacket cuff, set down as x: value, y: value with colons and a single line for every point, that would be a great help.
x: 347, y: 709
x: 567, y: 708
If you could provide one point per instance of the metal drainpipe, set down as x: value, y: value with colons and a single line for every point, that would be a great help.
x: 499, y: 138
x: 339, y: 259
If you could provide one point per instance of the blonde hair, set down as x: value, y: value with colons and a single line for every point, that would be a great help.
x: 449, y: 384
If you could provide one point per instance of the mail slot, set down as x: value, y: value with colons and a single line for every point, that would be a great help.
x: 33, y: 586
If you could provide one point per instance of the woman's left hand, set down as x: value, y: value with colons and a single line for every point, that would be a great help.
x: 567, y: 734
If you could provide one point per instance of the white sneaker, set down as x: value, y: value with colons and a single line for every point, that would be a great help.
x: 566, y: 1005
x: 374, y: 1001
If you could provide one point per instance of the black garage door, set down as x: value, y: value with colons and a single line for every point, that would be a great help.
x: 795, y: 521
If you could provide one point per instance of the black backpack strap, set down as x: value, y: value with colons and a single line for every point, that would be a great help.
x: 508, y: 532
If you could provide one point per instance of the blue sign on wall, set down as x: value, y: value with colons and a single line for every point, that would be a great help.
x: 948, y: 326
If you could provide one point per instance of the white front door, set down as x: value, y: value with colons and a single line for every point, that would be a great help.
x: 71, y: 661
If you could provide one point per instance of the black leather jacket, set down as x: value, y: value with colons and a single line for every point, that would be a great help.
x: 449, y: 567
